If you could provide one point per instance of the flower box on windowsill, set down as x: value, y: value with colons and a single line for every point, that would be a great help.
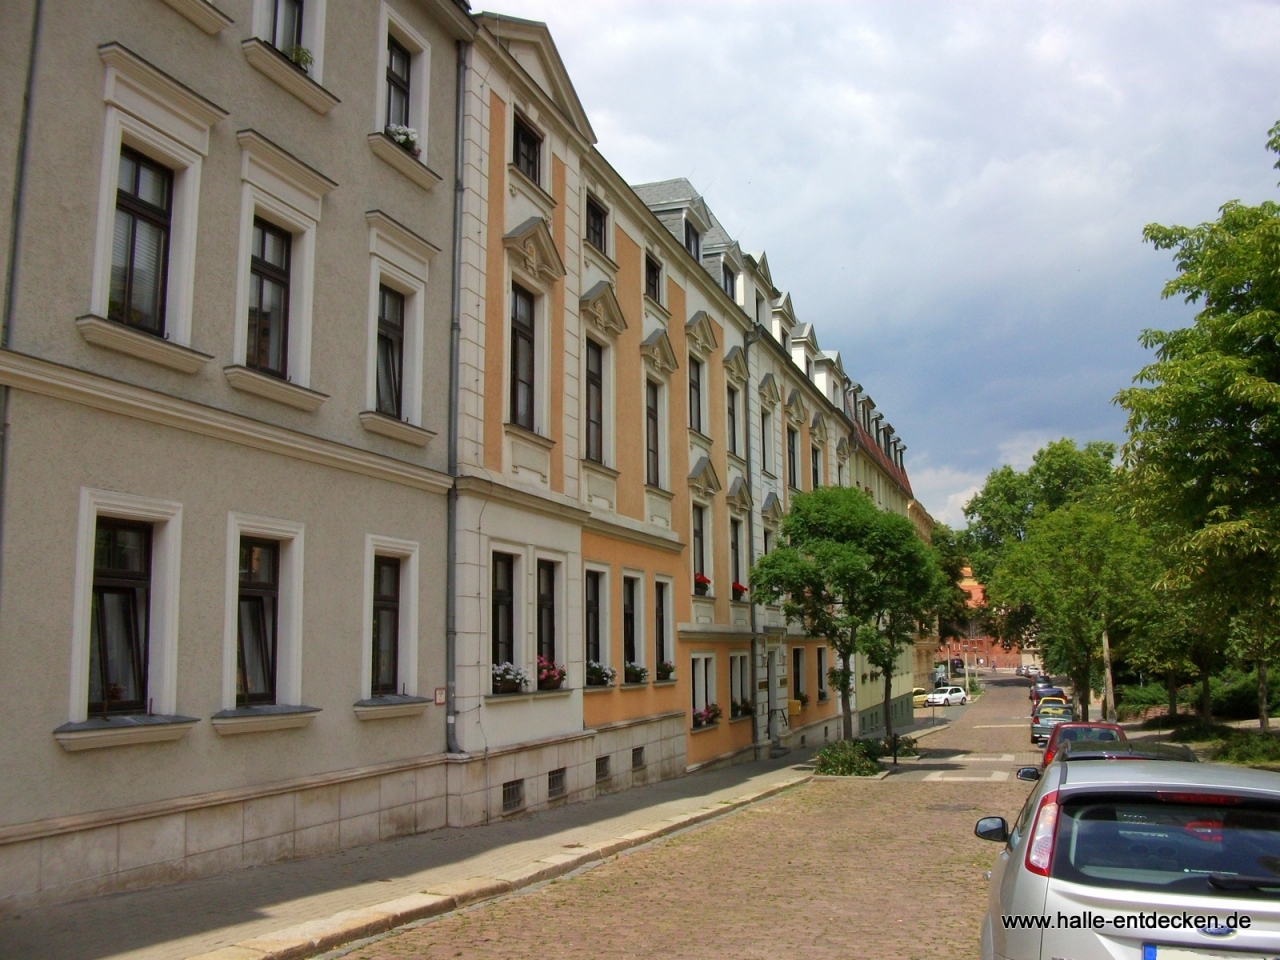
x: 119, y: 731
x: 266, y: 59
x: 402, y: 161
x: 700, y: 589
x: 262, y: 718
x: 704, y: 727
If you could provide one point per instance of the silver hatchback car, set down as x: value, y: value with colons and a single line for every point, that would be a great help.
x: 1137, y: 859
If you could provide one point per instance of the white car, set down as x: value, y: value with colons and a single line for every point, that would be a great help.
x: 946, y: 697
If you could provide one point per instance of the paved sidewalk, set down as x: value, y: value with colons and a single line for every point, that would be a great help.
x: 267, y: 911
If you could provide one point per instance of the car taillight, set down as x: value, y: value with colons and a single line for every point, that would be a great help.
x: 1043, y: 832
x: 1217, y: 799
x: 1048, y: 756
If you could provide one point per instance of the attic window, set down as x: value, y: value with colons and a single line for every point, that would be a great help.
x: 692, y: 240
x: 808, y: 368
x: 729, y: 280
x: 527, y: 150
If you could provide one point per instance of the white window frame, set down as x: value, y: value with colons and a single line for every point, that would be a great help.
x: 703, y: 667
x: 153, y: 114
x: 165, y: 517
x: 668, y: 613
x: 642, y: 645
x: 798, y: 678
x: 313, y: 20
x: 519, y: 554
x: 823, y: 658
x: 766, y: 442
x: 561, y: 608
x: 708, y: 545
x: 704, y: 371
x: 399, y: 259
x: 406, y: 551
x: 282, y: 190
x: 541, y: 348
x: 739, y: 677
x: 663, y: 384
x: 392, y: 24
x: 606, y: 607
x: 289, y: 639
x: 607, y: 354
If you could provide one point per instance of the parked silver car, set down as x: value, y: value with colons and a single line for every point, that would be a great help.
x: 1137, y: 859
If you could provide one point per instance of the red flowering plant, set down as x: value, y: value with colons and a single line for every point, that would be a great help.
x: 739, y: 590
x: 550, y: 674
x: 701, y: 582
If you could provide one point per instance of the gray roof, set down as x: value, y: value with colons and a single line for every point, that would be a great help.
x: 664, y: 192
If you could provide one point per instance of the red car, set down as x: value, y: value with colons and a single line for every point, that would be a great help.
x: 1085, y: 730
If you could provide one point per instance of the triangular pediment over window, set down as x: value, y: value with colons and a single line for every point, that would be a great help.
x: 703, y: 481
x: 657, y: 352
x: 795, y: 406
x: 735, y: 366
x: 770, y: 395
x: 842, y: 448
x: 599, y: 306
x: 531, y: 246
x: 739, y: 496
x: 772, y: 509
x: 818, y: 428
x: 701, y: 334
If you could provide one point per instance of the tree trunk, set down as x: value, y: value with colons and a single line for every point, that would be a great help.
x: 1264, y: 709
x: 1171, y: 684
x: 1082, y: 695
x: 888, y: 714
x: 846, y: 696
x: 1206, y: 701
x: 1108, y: 689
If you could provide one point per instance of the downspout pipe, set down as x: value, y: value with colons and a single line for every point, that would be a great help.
x: 15, y: 243
x: 455, y: 336
x: 752, y: 336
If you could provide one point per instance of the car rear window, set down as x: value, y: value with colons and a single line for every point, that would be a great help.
x: 1053, y: 711
x: 1087, y: 733
x: 1173, y: 845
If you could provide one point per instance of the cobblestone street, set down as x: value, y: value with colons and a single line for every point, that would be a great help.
x: 834, y: 868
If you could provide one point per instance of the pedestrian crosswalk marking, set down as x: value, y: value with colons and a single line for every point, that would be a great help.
x: 941, y: 776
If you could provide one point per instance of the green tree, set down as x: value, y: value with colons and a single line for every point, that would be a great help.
x: 1087, y: 571
x: 1001, y: 511
x: 845, y: 565
x: 952, y: 603
x: 1204, y: 418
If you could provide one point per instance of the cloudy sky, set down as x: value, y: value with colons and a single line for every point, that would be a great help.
x: 953, y: 193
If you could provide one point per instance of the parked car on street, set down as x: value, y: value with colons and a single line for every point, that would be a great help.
x: 1046, y: 718
x: 946, y: 697
x: 1158, y: 844
x: 1091, y: 730
x: 1038, y: 693
x: 919, y: 696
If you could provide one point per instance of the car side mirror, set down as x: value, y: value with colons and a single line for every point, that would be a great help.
x: 1028, y: 773
x: 992, y: 828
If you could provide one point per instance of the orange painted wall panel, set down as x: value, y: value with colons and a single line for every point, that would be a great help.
x: 628, y: 371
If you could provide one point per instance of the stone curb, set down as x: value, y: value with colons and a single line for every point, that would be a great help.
x: 317, y: 936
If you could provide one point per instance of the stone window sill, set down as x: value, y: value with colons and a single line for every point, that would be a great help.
x: 121, y: 731
x: 203, y: 14
x: 665, y: 683
x: 268, y: 60
x: 402, y: 161
x: 262, y: 719
x: 391, y: 705
x: 633, y: 686
x: 598, y: 687
x: 524, y: 433
x: 273, y: 388
x: 387, y: 426
x: 745, y: 716
x: 110, y: 335
x: 493, y: 698
x: 704, y: 728
x: 520, y: 180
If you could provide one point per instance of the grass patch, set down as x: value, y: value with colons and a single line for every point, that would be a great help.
x: 1249, y: 747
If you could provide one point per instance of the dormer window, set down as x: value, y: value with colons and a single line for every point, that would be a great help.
x: 808, y: 368
x: 597, y: 219
x: 527, y: 150
x: 729, y: 280
x: 692, y: 241
x: 653, y: 279
x: 786, y: 341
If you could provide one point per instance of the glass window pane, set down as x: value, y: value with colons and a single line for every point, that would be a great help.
x: 257, y: 628
x: 389, y: 367
x: 385, y: 635
x: 153, y: 185
x: 257, y: 563
x: 128, y: 173
x: 148, y: 271
x: 121, y: 242
x: 387, y: 577
x: 398, y: 112
x: 122, y: 643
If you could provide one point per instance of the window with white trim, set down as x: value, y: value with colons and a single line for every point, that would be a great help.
x: 281, y: 198
x: 398, y: 271
x: 125, y: 639
x: 595, y: 622
x: 766, y: 441
x: 702, y: 667
x: 823, y: 667
x: 155, y: 139
x: 662, y: 621
x: 740, y: 698
x: 654, y: 432
x: 295, y: 28
x: 404, y: 76
x: 797, y: 672
x: 262, y: 632
x: 389, y: 663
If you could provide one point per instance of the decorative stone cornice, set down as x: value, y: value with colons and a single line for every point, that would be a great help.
x: 739, y: 496
x: 770, y: 395
x: 599, y: 306
x: 735, y: 367
x: 658, y: 353
x: 772, y: 509
x: 701, y: 334
x: 703, y: 481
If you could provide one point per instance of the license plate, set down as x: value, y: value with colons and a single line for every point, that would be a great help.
x: 1153, y: 951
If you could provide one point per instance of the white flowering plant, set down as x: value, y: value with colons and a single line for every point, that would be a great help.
x: 508, y: 675
x: 405, y: 137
